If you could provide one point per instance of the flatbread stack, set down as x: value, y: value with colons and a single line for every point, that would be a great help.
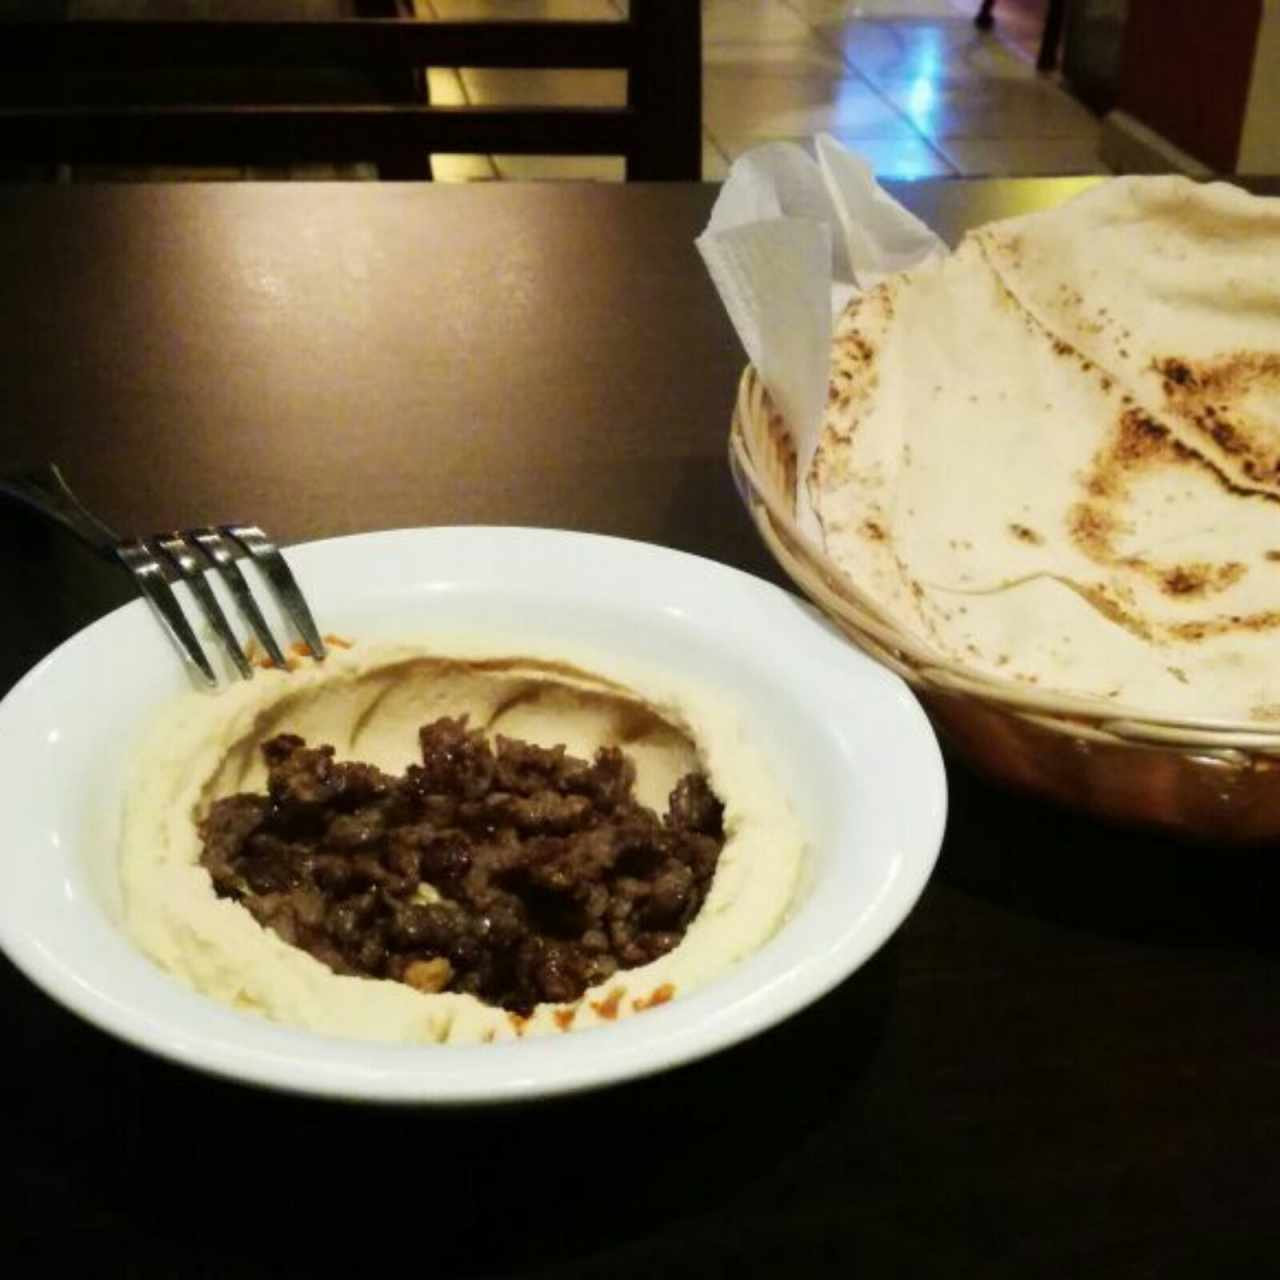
x: 1053, y: 456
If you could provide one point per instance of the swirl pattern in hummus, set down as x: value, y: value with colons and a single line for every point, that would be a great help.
x: 369, y: 702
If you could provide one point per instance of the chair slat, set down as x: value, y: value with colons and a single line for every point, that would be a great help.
x: 658, y: 131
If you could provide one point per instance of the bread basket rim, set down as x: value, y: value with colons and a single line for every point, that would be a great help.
x: 839, y: 595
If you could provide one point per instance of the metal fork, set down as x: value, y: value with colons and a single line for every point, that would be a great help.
x: 162, y: 560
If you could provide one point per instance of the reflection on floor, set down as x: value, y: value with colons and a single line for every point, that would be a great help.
x: 909, y: 83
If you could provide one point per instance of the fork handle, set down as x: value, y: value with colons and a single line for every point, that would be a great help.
x: 44, y: 491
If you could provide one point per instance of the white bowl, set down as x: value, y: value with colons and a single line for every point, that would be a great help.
x: 851, y: 746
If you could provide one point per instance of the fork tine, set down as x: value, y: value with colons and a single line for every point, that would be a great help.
x: 192, y: 568
x: 214, y: 545
x: 149, y: 575
x: 274, y: 565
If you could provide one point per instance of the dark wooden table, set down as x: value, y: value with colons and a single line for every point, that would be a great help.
x: 1066, y: 1062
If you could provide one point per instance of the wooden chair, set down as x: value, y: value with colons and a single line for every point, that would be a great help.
x: 1054, y: 20
x: 658, y: 131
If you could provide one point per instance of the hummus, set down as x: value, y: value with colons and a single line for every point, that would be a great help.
x: 369, y: 703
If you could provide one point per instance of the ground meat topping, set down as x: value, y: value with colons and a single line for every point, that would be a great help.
x: 513, y: 872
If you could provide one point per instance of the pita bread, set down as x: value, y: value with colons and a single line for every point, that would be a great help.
x: 1054, y: 456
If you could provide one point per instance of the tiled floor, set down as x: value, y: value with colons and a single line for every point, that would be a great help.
x: 908, y: 83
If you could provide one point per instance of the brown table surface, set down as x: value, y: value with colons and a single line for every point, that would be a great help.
x: 1066, y: 1061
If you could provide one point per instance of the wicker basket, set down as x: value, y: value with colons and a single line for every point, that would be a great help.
x: 1207, y: 779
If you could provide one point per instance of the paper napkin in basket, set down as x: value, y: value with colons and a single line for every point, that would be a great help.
x: 790, y: 241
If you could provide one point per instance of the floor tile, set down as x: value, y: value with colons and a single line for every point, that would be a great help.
x: 450, y: 168
x: 992, y: 109
x: 715, y: 164
x: 835, y: 10
x: 1014, y: 157
x: 940, y: 52
x: 525, y: 10
x: 792, y: 58
x: 900, y: 157
x: 755, y: 21
x: 787, y: 107
x: 489, y: 86
x: 907, y: 157
x: 445, y: 87
x: 561, y: 168
x: 1019, y: 23
x: 715, y: 167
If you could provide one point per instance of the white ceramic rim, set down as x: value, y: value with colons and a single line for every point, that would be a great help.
x: 869, y: 712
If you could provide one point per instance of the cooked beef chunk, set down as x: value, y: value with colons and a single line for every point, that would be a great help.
x: 693, y: 806
x: 515, y: 872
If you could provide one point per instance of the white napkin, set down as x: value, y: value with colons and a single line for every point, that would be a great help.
x: 790, y: 241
